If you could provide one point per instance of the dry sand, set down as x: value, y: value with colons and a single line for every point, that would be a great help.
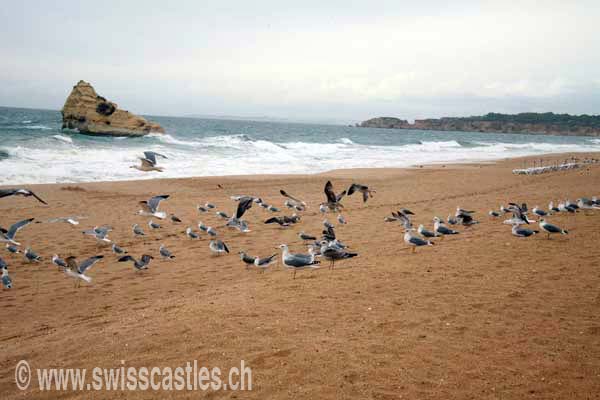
x: 481, y: 315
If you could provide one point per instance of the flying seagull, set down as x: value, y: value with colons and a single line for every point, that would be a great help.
x: 333, y: 200
x: 366, y: 192
x: 100, y: 233
x: 148, y: 162
x: 9, y: 236
x: 140, y: 264
x: 69, y: 220
x: 77, y: 271
x: 549, y: 228
x: 20, y: 192
x: 150, y: 207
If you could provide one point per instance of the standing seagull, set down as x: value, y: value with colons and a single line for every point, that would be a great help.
x: 153, y: 225
x: 77, y: 271
x: 549, y: 228
x: 522, y: 232
x: 175, y: 218
x: 31, y: 256
x: 366, y: 192
x: 539, y: 212
x: 9, y: 236
x: 20, y: 192
x: 425, y: 233
x: 59, y: 262
x: 139, y: 265
x: 191, y: 234
x: 297, y: 262
x: 6, y: 281
x: 415, y: 241
x: 263, y: 263
x: 218, y: 247
x: 137, y: 231
x: 150, y: 207
x: 165, y: 253
x: 333, y: 253
x: 247, y: 259
x: 118, y: 250
x: 441, y: 230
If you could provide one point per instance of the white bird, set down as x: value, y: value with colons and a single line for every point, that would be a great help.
x: 148, y: 162
x: 118, y: 250
x: 68, y: 220
x: 218, y: 247
x: 425, y: 233
x: 550, y: 229
x: 153, y: 225
x: 165, y: 253
x: 31, y: 256
x: 100, y: 233
x: 6, y: 281
x: 59, y: 262
x: 191, y: 234
x: 341, y: 219
x: 415, y: 241
x: 10, y: 235
x: 137, y: 231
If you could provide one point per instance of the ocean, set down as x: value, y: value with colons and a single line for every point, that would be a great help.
x: 33, y: 148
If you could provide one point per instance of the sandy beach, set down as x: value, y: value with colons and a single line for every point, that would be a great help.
x: 481, y: 315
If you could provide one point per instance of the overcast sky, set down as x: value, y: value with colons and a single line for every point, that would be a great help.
x: 341, y: 61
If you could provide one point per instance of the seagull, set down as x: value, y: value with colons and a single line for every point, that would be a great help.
x: 415, y: 241
x: 247, y: 259
x: 265, y: 262
x: 464, y: 217
x: 153, y: 225
x: 9, y: 236
x: 59, y: 262
x: 166, y: 254
x: 118, y: 250
x: 69, y: 220
x: 149, y: 162
x: 341, y: 219
x: 191, y: 234
x: 425, y: 233
x: 323, y: 208
x: 519, y: 214
x: 143, y: 262
x: 333, y: 253
x: 279, y: 220
x: 452, y: 220
x: 304, y: 236
x: 137, y: 231
x: 504, y: 210
x: 273, y: 209
x: 211, y: 231
x: 12, y: 248
x: 566, y: 208
x: 100, y: 233
x: 175, y: 218
x: 31, y: 256
x: 327, y: 224
x: 551, y: 208
x: 494, y: 214
x: 6, y: 281
x: 586, y: 204
x: 366, y: 192
x: 222, y: 214
x: 77, y: 271
x: 150, y: 207
x: 293, y: 201
x: 202, y: 227
x: 441, y: 230
x: 20, y: 192
x: 522, y: 232
x: 333, y: 200
x: 238, y: 224
x: 218, y: 247
x: 549, y: 228
x: 297, y: 261
x: 203, y: 209
x: 403, y: 217
x: 539, y: 212
x: 209, y: 206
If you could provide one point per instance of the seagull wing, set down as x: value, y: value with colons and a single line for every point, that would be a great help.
x: 7, y: 192
x: 124, y: 259
x: 87, y: 264
x: 225, y: 247
x: 329, y: 192
x: 12, y: 231
x: 243, y: 205
x: 340, y: 196
x: 155, y: 201
x: 151, y: 155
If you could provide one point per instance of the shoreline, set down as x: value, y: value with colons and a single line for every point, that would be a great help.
x: 550, y: 157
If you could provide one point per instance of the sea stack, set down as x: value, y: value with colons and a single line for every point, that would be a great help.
x: 92, y: 114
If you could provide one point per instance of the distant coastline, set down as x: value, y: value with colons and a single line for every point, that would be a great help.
x: 526, y: 123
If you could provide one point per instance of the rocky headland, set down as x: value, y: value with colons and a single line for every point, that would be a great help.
x: 92, y: 114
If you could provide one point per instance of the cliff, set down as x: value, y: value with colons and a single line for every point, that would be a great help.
x: 92, y: 114
x: 526, y: 123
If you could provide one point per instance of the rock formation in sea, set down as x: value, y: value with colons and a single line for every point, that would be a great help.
x: 92, y: 114
x: 528, y: 123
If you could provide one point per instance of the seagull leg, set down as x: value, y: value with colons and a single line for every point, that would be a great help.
x: 294, y: 276
x: 413, y: 249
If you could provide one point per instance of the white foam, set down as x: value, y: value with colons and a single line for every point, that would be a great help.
x: 38, y: 127
x: 63, y: 138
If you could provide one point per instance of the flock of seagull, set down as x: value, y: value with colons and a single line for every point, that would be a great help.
x: 327, y: 246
